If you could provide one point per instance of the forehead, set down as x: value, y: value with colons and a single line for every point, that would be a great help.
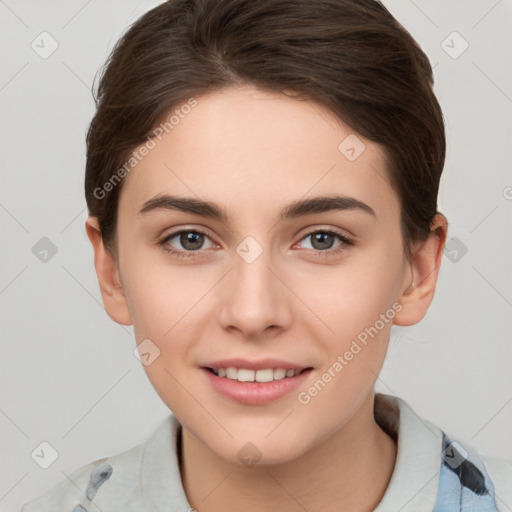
x: 249, y: 148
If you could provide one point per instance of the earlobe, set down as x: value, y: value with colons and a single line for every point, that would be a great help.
x: 425, y: 264
x: 107, y: 272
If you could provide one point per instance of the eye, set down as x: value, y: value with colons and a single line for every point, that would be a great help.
x: 185, y: 240
x: 324, y: 240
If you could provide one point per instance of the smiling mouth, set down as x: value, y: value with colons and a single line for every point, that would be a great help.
x: 262, y: 375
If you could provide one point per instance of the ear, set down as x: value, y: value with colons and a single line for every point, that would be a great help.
x: 109, y: 280
x: 425, y: 263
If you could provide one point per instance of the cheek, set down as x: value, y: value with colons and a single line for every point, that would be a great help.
x: 162, y: 298
x: 169, y: 307
x: 350, y: 298
x: 358, y: 303
x: 166, y: 310
x: 359, y: 313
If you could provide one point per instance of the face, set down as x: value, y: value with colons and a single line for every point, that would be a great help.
x: 266, y: 272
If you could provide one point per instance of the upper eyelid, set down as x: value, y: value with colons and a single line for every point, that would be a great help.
x: 173, y: 234
x: 344, y: 239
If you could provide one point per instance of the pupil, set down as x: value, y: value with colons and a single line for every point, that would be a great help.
x: 322, y: 240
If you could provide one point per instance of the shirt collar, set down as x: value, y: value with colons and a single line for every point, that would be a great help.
x: 415, y: 479
x: 412, y: 488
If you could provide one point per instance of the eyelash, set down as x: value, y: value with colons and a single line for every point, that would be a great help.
x: 346, y: 242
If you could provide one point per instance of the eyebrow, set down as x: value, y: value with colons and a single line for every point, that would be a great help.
x: 290, y: 211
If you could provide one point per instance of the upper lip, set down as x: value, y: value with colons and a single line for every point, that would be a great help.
x: 260, y: 364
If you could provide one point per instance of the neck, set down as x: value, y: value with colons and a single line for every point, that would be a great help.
x: 350, y: 470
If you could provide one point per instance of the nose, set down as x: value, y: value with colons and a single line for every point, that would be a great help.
x: 253, y: 301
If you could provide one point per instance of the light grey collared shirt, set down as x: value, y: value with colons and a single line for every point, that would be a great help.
x: 147, y: 476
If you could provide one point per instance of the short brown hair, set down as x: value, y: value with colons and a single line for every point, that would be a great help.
x: 350, y: 56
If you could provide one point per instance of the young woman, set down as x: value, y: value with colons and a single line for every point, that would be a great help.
x: 262, y: 184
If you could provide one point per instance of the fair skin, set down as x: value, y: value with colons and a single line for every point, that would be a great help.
x: 251, y: 153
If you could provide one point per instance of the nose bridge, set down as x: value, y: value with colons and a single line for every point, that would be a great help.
x: 253, y: 297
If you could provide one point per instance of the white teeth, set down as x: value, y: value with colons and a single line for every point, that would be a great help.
x: 279, y: 373
x: 247, y: 375
x: 232, y: 373
x: 265, y: 375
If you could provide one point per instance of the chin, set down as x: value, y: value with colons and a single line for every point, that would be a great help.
x: 257, y: 450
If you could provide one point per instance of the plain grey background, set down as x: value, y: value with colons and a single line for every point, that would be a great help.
x: 68, y: 374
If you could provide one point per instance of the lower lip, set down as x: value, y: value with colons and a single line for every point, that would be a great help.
x: 255, y: 393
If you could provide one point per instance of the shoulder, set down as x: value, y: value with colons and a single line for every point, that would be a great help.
x: 110, y: 480
x: 500, y: 472
x: 81, y: 486
x: 67, y: 493
x: 424, y: 449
